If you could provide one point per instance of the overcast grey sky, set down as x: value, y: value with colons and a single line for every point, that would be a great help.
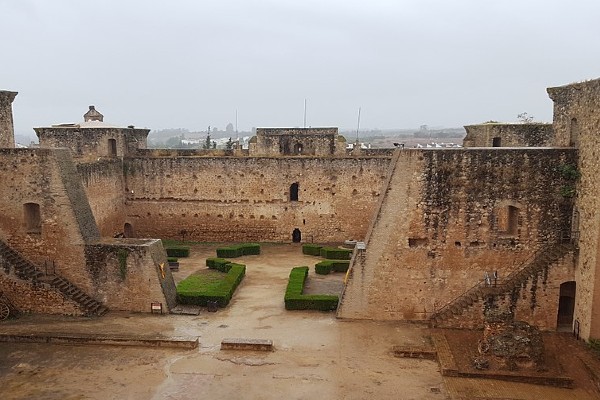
x: 191, y: 64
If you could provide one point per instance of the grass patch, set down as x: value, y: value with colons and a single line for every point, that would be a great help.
x: 295, y: 300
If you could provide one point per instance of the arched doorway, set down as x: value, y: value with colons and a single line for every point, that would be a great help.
x: 112, y: 147
x: 128, y: 230
x: 296, y: 236
x: 566, y: 306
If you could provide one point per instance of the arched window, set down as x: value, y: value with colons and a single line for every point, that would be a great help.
x: 298, y: 148
x: 33, y: 217
x: 296, y: 236
x: 294, y: 191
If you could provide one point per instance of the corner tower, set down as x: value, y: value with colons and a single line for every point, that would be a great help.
x: 7, y: 132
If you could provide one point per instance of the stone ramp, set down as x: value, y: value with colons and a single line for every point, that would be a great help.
x: 391, y: 216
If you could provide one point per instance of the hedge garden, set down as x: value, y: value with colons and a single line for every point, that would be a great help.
x: 327, y: 266
x: 295, y: 300
x: 239, y: 250
x: 217, y: 286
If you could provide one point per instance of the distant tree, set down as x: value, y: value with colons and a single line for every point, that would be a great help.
x: 525, y: 118
x: 214, y: 144
x: 229, y: 128
x: 207, y: 143
x: 173, y: 142
x: 229, y: 144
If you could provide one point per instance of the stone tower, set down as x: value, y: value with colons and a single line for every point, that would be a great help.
x: 7, y: 133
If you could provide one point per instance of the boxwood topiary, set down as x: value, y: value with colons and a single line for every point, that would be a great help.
x: 196, y: 290
x: 311, y: 249
x: 334, y: 253
x: 295, y: 300
x: 178, y: 251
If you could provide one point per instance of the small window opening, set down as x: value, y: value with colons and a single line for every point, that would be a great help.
x: 508, y: 220
x: 128, y: 230
x: 294, y: 189
x: 33, y: 218
x: 112, y: 147
x: 296, y: 236
x: 574, y: 133
x: 496, y: 142
x: 298, y: 148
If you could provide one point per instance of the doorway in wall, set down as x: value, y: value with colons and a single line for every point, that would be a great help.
x: 128, y: 230
x: 566, y: 306
x: 112, y: 147
x: 296, y: 236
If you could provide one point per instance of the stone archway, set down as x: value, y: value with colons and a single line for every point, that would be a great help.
x: 566, y: 306
x: 296, y: 236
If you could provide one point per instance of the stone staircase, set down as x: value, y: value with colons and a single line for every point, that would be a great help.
x: 25, y: 270
x: 543, y: 258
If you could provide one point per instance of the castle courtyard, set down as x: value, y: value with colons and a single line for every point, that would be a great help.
x: 315, y: 355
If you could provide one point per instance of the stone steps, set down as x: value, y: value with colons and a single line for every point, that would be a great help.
x: 29, y: 272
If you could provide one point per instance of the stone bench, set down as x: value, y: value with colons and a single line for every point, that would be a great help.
x: 247, y: 344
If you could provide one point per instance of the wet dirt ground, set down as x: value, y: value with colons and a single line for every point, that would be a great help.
x: 316, y: 356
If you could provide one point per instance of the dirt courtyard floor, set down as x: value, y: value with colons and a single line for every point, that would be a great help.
x: 316, y: 356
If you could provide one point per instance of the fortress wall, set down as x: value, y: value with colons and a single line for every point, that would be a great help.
x: 533, y: 134
x: 248, y: 199
x: 104, y: 185
x: 451, y: 226
x: 577, y: 123
x: 42, y: 176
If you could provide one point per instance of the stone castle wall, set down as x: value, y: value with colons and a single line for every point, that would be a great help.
x: 7, y: 134
x: 577, y: 123
x: 444, y: 224
x: 248, y: 198
x: 509, y: 135
x: 105, y: 188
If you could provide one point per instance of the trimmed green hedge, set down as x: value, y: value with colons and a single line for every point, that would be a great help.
x: 178, y: 251
x: 334, y: 253
x: 220, y: 264
x: 244, y: 249
x: 295, y: 300
x: 172, y: 259
x: 311, y: 249
x: 198, y: 290
x: 325, y: 267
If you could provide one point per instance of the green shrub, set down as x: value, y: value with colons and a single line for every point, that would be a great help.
x: 295, y: 300
x: 178, y: 251
x: 326, y: 266
x: 200, y: 289
x: 311, y: 249
x: 239, y: 250
x: 172, y: 259
x: 334, y: 253
x: 220, y: 264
